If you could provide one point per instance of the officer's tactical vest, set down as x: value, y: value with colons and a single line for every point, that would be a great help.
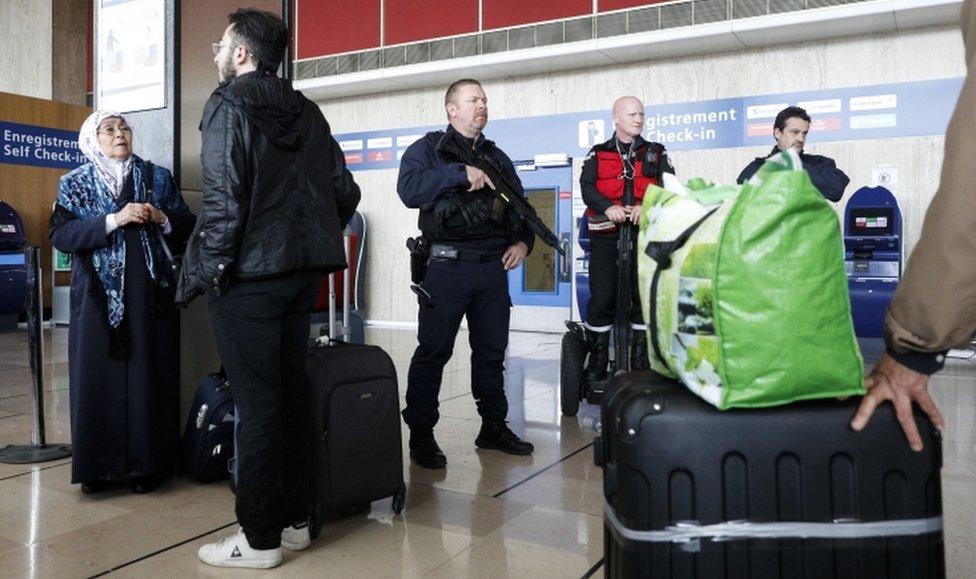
x: 499, y: 224
x: 610, y: 182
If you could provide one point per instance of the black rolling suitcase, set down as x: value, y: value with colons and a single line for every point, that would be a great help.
x: 356, y: 449
x: 786, y: 492
x: 356, y: 456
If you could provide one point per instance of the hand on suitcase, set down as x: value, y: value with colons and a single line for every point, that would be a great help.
x: 889, y: 380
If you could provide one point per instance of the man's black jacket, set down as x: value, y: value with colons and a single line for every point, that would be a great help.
x: 824, y: 174
x: 276, y: 191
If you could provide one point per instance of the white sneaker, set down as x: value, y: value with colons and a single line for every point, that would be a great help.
x: 233, y: 551
x: 295, y: 537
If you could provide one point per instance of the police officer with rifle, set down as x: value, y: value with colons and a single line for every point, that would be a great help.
x: 476, y: 225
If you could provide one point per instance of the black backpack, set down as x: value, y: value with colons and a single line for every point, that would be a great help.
x: 208, y: 439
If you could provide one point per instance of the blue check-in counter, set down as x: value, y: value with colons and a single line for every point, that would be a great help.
x: 581, y: 267
x: 873, y: 256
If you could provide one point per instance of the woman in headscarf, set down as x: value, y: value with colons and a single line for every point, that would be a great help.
x: 113, y: 214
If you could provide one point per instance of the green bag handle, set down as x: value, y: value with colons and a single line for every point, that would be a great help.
x: 661, y: 252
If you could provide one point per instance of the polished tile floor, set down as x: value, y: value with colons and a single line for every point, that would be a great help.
x: 487, y: 515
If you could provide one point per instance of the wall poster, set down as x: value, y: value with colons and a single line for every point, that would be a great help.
x: 130, y: 54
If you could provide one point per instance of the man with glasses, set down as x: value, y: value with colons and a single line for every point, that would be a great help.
x: 276, y: 196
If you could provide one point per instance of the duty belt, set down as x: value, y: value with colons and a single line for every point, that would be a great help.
x: 439, y: 251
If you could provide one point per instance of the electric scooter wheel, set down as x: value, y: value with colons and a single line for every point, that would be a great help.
x: 572, y: 359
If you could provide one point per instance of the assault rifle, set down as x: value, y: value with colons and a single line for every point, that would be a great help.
x: 505, y: 191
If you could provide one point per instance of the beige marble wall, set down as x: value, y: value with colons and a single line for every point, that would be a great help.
x: 26, y: 44
x: 389, y: 224
x: 43, y: 44
x: 69, y: 54
x: 876, y: 59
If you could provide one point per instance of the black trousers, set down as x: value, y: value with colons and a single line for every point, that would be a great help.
x: 262, y: 329
x: 601, y: 310
x: 480, y: 292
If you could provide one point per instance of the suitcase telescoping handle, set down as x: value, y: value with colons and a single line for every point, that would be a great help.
x: 344, y: 331
x: 332, y: 307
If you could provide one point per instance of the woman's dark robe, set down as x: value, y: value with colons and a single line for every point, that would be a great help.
x: 124, y: 411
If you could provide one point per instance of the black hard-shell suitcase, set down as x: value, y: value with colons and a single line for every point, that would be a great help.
x: 785, y: 492
x: 356, y: 447
x: 208, y: 439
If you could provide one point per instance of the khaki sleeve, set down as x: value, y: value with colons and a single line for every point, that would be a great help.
x: 935, y: 305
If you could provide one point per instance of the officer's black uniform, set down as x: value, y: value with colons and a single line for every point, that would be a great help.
x: 468, y: 233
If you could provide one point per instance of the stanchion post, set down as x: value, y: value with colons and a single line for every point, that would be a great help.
x: 35, y: 342
x: 38, y: 450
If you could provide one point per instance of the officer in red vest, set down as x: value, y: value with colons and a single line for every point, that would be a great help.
x: 615, y: 176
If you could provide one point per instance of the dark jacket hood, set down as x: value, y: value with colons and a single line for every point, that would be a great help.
x: 272, y: 105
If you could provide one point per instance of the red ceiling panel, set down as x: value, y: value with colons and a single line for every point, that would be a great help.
x: 605, y: 5
x: 334, y: 27
x: 502, y: 13
x: 410, y: 20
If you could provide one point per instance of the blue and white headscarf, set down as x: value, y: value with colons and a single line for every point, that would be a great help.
x: 92, y: 190
x: 111, y: 172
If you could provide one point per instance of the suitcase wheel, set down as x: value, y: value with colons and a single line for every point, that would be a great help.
x: 572, y: 358
x: 399, y: 499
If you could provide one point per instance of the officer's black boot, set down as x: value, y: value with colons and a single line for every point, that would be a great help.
x: 424, y: 450
x: 495, y: 435
x: 638, y: 351
x: 596, y: 367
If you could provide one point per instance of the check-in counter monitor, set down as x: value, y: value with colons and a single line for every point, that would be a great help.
x: 13, y: 269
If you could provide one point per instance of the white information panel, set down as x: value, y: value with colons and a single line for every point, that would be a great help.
x: 131, y: 55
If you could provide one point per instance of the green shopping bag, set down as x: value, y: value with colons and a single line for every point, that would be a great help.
x: 744, y: 292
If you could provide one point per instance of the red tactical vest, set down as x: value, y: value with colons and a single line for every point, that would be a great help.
x: 610, y: 184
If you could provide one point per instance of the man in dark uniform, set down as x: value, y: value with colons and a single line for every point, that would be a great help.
x: 473, y: 240
x: 790, y: 130
x: 613, y: 181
